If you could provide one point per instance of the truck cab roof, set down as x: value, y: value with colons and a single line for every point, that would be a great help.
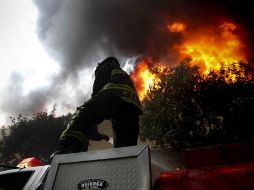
x: 22, y: 178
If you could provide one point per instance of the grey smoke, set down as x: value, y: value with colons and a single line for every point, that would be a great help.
x: 17, y: 103
x: 80, y: 33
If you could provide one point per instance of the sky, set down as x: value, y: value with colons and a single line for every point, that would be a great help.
x: 38, y: 65
x: 50, y: 48
x: 26, y: 68
x: 22, y: 56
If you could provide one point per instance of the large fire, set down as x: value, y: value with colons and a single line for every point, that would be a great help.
x: 207, y: 47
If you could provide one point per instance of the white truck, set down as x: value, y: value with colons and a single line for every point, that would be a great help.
x: 31, y: 178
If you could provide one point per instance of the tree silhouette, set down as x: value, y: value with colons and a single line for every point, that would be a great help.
x: 187, y: 109
x: 28, y: 137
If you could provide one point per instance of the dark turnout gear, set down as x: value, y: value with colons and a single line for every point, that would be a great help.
x: 110, y: 77
x: 115, y: 98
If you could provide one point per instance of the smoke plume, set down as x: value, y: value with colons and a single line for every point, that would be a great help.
x: 80, y: 33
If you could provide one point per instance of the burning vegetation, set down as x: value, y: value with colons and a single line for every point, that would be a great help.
x: 210, y: 48
x: 201, y: 92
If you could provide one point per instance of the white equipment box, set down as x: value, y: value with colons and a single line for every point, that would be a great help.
x: 125, y: 168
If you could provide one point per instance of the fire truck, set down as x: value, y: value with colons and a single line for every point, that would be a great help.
x: 222, y: 167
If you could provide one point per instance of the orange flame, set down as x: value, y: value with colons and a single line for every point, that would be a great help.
x: 212, y: 48
x: 143, y: 78
x: 176, y: 27
x: 207, y: 47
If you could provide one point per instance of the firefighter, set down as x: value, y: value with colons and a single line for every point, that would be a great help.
x: 115, y: 98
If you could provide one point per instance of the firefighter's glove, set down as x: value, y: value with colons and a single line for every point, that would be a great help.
x: 94, y: 135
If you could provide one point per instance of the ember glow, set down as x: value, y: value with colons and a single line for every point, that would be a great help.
x: 176, y: 27
x: 208, y: 47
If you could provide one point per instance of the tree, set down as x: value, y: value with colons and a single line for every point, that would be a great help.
x: 187, y: 109
x: 36, y: 136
